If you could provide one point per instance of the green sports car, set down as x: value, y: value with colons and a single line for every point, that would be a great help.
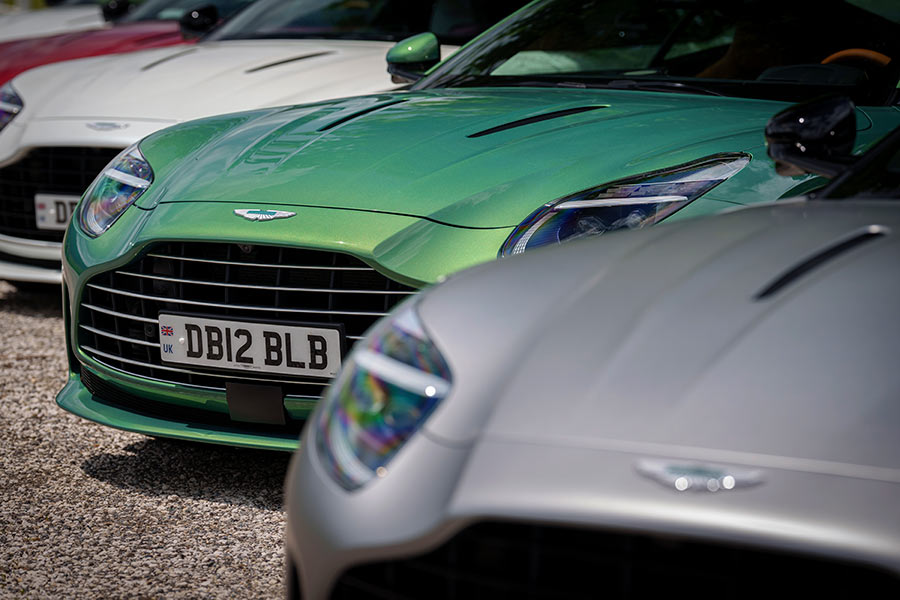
x: 216, y: 272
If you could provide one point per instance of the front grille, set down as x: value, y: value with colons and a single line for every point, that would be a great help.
x: 67, y: 171
x: 118, y: 317
x: 534, y: 562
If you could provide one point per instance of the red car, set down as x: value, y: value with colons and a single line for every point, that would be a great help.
x: 155, y: 23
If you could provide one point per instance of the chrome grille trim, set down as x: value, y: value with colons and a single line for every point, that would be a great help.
x: 263, y: 265
x: 263, y: 287
x: 233, y: 306
x: 118, y: 324
x: 118, y: 337
x: 113, y: 313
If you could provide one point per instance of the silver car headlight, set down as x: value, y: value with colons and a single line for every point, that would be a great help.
x: 628, y: 203
x: 119, y: 186
x: 389, y: 386
x: 10, y: 105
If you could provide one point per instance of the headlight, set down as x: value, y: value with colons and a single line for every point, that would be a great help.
x: 388, y: 388
x: 627, y: 203
x: 10, y: 105
x: 119, y: 186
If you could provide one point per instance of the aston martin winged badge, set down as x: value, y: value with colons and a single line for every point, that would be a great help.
x: 698, y: 477
x: 256, y: 214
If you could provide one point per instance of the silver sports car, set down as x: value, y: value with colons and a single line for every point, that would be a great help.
x: 707, y: 408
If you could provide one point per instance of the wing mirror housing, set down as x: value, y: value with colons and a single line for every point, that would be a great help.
x: 198, y: 21
x: 116, y: 9
x: 409, y: 59
x: 813, y: 137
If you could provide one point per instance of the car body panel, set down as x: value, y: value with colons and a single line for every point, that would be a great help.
x: 20, y: 55
x: 573, y: 365
x: 187, y: 82
x: 409, y: 153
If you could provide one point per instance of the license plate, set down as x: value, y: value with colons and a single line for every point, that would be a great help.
x: 53, y: 211
x: 247, y: 346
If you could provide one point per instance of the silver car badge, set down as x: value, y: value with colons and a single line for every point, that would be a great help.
x: 256, y: 214
x: 106, y: 126
x: 698, y: 477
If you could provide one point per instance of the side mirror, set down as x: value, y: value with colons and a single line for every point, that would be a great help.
x: 116, y: 9
x: 199, y: 21
x: 410, y: 59
x: 813, y: 137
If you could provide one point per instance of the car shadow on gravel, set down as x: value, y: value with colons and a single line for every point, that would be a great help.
x: 32, y: 300
x: 157, y: 467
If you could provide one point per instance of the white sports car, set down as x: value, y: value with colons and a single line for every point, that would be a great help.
x: 64, y: 122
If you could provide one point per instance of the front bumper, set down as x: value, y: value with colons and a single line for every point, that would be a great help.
x: 29, y: 260
x: 435, y: 494
x: 105, y: 387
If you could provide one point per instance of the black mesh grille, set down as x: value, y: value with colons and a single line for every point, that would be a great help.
x: 530, y: 562
x: 118, y: 315
x: 66, y: 171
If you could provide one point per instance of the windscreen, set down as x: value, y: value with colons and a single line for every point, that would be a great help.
x: 778, y: 50
x: 453, y: 21
x: 172, y: 10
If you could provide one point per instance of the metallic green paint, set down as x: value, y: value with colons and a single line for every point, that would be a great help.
x: 421, y: 48
x: 394, y: 180
x: 409, y: 154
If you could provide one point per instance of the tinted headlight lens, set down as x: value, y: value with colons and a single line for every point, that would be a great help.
x: 10, y: 105
x: 119, y: 186
x: 629, y: 203
x: 388, y: 388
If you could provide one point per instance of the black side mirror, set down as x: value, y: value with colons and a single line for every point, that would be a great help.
x: 116, y: 9
x: 813, y: 137
x: 198, y: 21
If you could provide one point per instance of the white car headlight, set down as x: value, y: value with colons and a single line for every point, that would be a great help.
x: 10, y: 105
x: 119, y: 186
x: 627, y: 203
x: 390, y: 385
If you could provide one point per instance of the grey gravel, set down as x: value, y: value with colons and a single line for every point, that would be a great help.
x: 92, y: 512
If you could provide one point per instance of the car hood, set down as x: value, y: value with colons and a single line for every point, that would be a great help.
x: 209, y: 78
x: 461, y: 157
x: 47, y: 22
x: 764, y: 337
x: 20, y: 55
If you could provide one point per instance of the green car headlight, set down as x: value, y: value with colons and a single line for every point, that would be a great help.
x: 119, y: 186
x: 388, y: 388
x: 628, y: 203
x: 10, y: 105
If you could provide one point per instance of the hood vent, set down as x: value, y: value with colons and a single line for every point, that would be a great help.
x: 360, y: 113
x: 287, y: 60
x: 819, y: 258
x: 168, y: 58
x: 536, y: 119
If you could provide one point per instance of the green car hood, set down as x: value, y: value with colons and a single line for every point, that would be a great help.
x: 464, y: 157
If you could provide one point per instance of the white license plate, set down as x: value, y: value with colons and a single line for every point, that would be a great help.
x: 246, y: 346
x: 53, y: 211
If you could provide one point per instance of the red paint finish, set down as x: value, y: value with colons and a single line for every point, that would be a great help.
x: 20, y: 55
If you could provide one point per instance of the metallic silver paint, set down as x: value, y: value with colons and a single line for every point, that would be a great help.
x: 573, y: 364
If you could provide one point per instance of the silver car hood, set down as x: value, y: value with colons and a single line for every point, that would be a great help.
x: 687, y: 360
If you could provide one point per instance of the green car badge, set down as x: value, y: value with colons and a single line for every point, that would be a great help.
x: 567, y: 119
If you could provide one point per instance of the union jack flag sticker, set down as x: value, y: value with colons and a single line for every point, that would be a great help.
x: 166, y: 330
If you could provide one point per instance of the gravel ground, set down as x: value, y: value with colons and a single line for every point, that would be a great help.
x: 92, y: 512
